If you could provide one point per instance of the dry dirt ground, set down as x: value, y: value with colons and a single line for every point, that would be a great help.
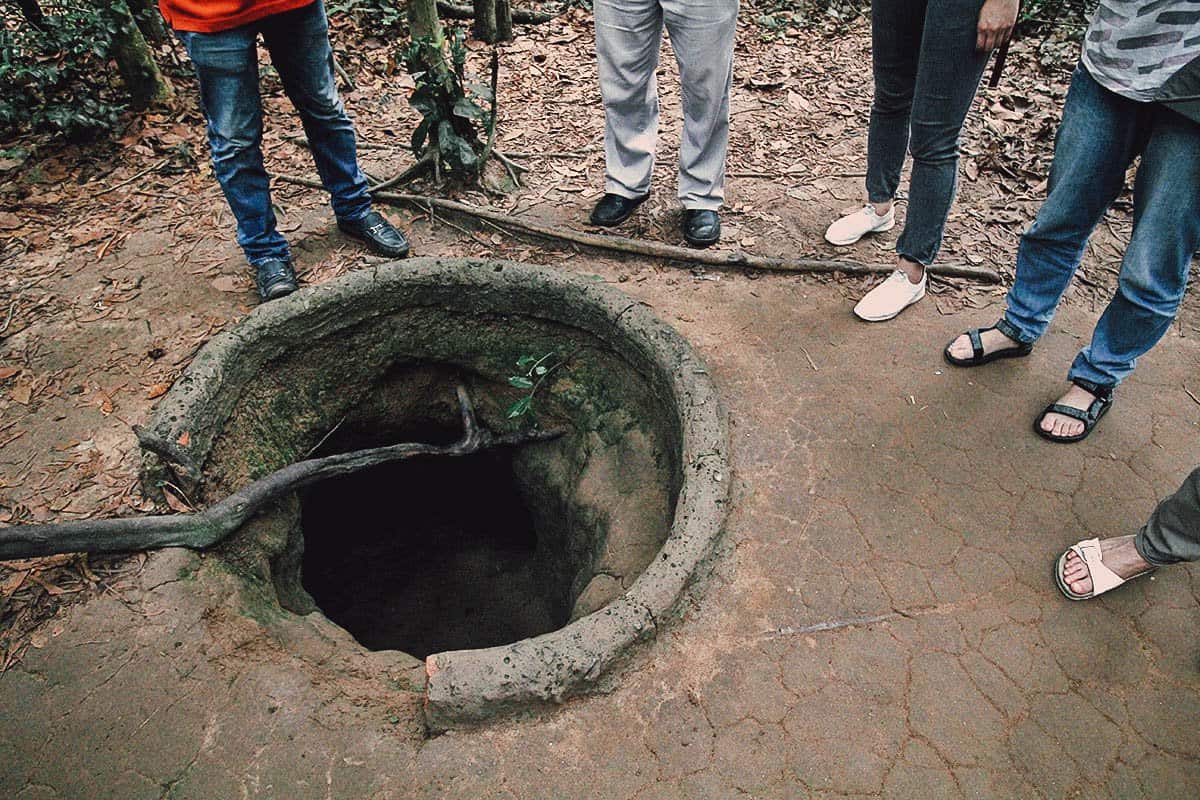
x: 882, y: 620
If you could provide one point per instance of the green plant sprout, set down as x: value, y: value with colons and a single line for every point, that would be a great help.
x: 534, y: 372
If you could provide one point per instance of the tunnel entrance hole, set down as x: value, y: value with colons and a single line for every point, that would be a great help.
x: 431, y: 554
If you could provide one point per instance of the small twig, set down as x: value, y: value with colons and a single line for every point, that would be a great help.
x: 732, y: 259
x: 811, y: 363
x: 345, y: 76
x: 1192, y: 395
x: 470, y: 235
x: 558, y: 153
x: 491, y: 130
x: 512, y: 165
x: 324, y: 438
x: 12, y: 309
x: 130, y: 180
x: 423, y: 164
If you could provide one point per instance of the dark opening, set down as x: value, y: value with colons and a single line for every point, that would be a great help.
x: 428, y: 555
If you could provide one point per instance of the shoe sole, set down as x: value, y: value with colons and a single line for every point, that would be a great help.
x: 701, y: 243
x: 844, y: 242
x: 986, y: 358
x: 914, y: 301
x: 278, y: 292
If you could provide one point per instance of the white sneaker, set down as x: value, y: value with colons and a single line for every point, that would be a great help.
x: 852, y: 227
x: 891, y: 297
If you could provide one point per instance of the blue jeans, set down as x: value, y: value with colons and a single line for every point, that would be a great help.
x: 1100, y: 136
x: 926, y: 72
x: 226, y: 66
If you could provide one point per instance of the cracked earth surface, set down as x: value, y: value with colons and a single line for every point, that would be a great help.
x: 881, y: 622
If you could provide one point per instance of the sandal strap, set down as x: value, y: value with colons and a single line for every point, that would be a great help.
x: 976, y: 342
x: 1094, y: 389
x: 1102, y: 577
x: 1070, y: 411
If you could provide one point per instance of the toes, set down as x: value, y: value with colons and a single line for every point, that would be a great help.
x: 1080, y: 587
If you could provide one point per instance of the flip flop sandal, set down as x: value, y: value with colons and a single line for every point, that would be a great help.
x: 978, y: 357
x: 1089, y: 418
x: 1103, y: 578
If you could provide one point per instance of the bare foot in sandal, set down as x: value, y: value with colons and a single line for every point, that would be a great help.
x: 1118, y: 554
x: 1060, y: 426
x: 993, y: 341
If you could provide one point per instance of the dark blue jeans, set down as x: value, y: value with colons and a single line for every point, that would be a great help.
x: 926, y: 72
x: 227, y: 68
x: 1100, y: 136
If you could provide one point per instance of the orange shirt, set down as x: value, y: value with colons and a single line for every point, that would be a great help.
x: 210, y: 16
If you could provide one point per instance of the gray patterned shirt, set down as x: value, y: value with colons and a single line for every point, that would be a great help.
x: 1134, y: 46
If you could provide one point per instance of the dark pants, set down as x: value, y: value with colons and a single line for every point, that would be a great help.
x: 1172, y: 533
x: 926, y: 72
x: 227, y: 68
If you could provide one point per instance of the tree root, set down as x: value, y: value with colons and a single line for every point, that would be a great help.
x: 734, y: 259
x: 205, y: 528
x: 454, y: 11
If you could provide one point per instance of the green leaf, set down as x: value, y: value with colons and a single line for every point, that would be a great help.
x: 520, y: 408
x: 539, y: 371
x: 526, y: 361
x: 520, y: 381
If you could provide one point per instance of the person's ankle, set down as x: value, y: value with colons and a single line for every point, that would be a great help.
x: 914, y: 271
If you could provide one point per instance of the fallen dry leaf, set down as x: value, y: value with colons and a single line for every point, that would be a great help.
x: 8, y: 372
x: 185, y: 438
x: 226, y: 283
x: 157, y: 390
x: 175, y: 502
x: 22, y: 393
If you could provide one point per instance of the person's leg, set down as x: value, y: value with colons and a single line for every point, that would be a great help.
x: 1170, y: 536
x: 702, y: 33
x: 896, y: 29
x: 1154, y: 270
x: 1097, y: 139
x: 628, y: 37
x: 947, y: 77
x: 300, y: 50
x: 226, y: 65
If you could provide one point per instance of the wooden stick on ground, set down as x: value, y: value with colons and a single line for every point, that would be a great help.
x: 205, y: 528
x: 729, y: 259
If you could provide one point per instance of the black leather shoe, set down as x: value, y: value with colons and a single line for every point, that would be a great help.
x: 381, y: 236
x: 613, y: 209
x: 275, y: 279
x: 701, y: 227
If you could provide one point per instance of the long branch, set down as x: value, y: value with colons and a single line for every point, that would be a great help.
x: 209, y: 526
x: 733, y: 259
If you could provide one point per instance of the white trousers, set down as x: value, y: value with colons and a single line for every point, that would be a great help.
x: 628, y: 39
